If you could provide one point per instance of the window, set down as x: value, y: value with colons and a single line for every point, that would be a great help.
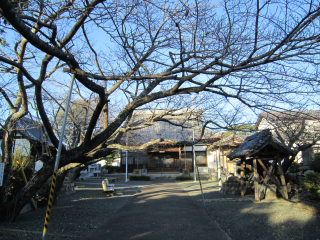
x: 200, y: 156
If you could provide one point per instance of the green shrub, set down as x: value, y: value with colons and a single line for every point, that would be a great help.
x: 184, y: 178
x: 312, y: 184
x: 17, y: 182
x: 315, y: 164
x: 294, y: 168
x: 139, y: 178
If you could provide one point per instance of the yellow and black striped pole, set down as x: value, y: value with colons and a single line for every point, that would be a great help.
x: 53, y: 184
x: 56, y: 166
x: 204, y: 204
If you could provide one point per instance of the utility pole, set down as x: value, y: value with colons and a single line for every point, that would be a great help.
x: 193, y: 146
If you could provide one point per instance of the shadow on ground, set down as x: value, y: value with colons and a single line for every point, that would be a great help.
x: 264, y: 220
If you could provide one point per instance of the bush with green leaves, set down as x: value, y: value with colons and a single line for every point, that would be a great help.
x: 139, y: 178
x: 294, y: 168
x: 312, y: 184
x: 315, y: 164
x: 17, y: 182
x: 184, y: 178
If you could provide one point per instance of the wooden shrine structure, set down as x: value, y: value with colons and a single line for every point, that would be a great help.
x: 262, y: 148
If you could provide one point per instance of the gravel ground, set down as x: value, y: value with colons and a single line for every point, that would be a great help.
x: 74, y: 215
x: 264, y: 220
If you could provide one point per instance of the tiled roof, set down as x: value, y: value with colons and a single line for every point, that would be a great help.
x: 257, y: 142
x: 32, y: 130
x: 163, y: 129
x: 238, y: 139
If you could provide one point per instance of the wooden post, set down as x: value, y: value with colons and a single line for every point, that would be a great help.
x: 273, y: 179
x: 247, y: 185
x: 264, y: 185
x: 283, y: 180
x: 242, y: 176
x: 256, y: 191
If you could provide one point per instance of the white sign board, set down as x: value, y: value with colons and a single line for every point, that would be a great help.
x: 38, y: 165
x: 1, y: 173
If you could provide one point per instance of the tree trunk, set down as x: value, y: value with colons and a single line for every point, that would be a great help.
x: 10, y: 210
x: 62, y: 173
x: 6, y: 146
x: 287, y: 163
x: 74, y: 173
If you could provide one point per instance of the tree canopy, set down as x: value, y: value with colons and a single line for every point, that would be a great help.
x: 236, y: 56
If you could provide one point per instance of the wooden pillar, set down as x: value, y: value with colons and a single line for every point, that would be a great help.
x: 283, y: 180
x: 242, y: 176
x: 256, y: 185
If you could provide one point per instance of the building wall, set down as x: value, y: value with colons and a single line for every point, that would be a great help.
x: 21, y: 146
x: 197, y: 148
x: 211, y: 159
x: 170, y: 158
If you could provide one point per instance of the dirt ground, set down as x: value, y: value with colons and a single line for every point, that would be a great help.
x: 241, y: 220
x: 76, y: 215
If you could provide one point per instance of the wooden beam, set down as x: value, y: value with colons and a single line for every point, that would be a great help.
x: 283, y: 180
x: 271, y: 154
x: 265, y: 158
x: 248, y: 166
x: 264, y: 184
x: 256, y: 185
x: 247, y: 185
x: 242, y: 176
x: 273, y: 179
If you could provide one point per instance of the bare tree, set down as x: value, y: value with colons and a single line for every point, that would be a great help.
x: 154, y: 55
x: 299, y: 130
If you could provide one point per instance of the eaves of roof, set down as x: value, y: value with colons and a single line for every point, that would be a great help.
x: 256, y: 142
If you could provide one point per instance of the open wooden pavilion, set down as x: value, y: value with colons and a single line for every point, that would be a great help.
x: 261, y: 148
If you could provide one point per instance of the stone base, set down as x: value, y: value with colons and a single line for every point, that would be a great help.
x: 137, y: 172
x: 231, y: 188
x: 271, y: 193
x: 28, y: 208
x: 186, y: 172
x: 67, y: 187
